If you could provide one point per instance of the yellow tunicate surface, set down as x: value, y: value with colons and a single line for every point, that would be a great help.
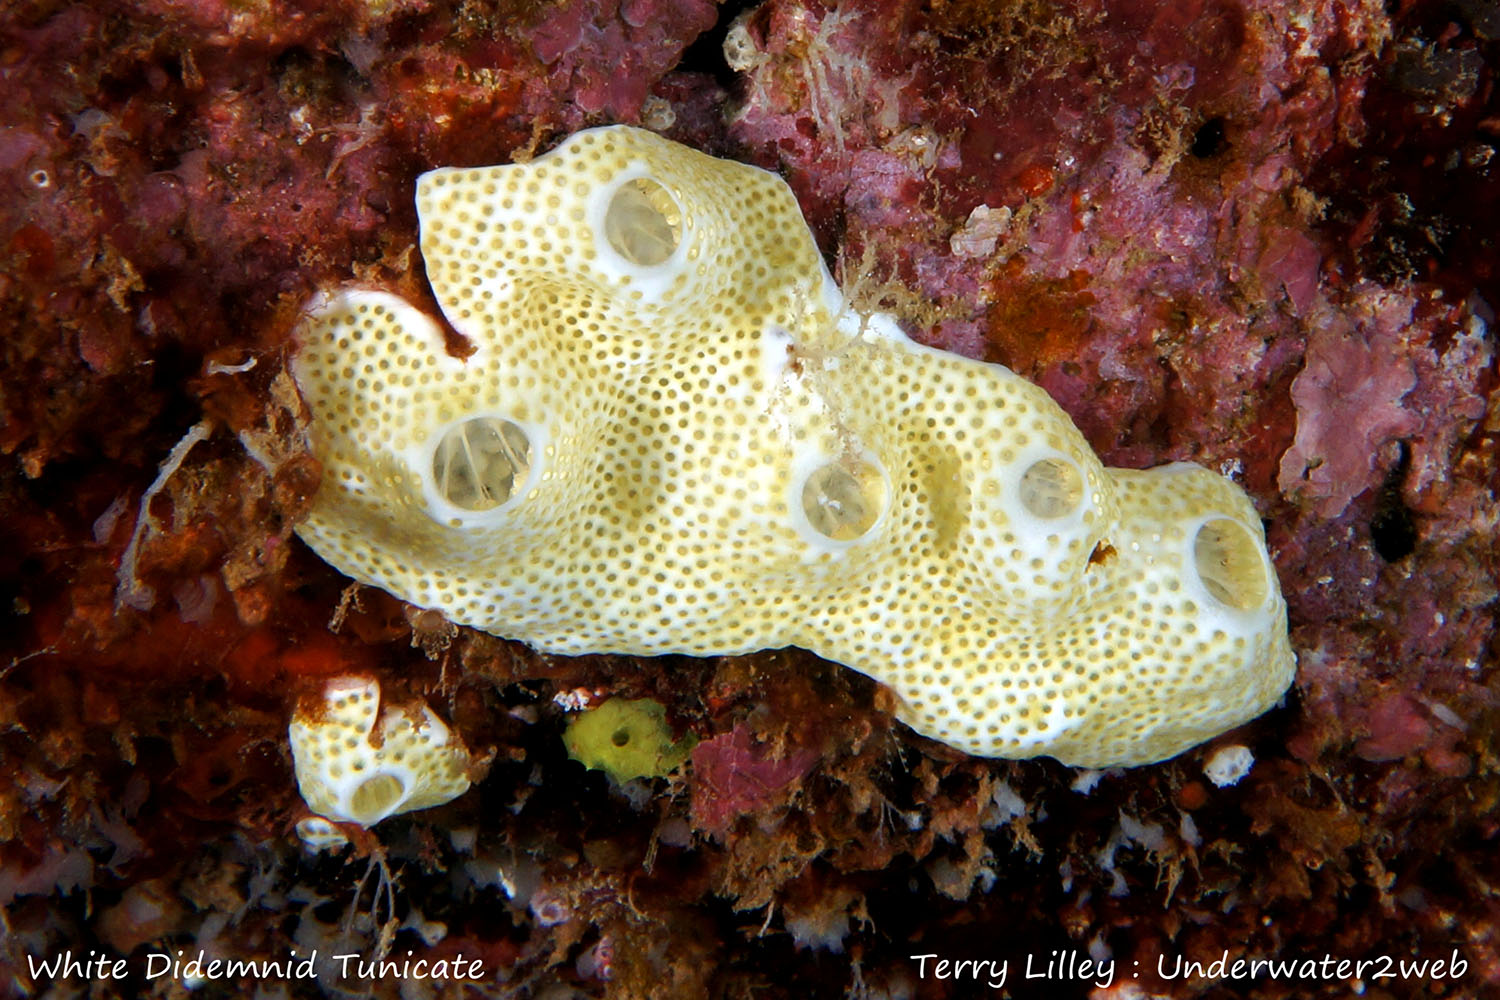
x: 674, y: 436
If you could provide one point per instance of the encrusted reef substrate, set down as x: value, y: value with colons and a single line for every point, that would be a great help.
x: 1247, y: 235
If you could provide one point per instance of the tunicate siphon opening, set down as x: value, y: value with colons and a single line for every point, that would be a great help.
x: 643, y: 222
x: 843, y: 500
x: 376, y: 799
x: 620, y: 737
x: 1051, y: 488
x: 481, y: 462
x: 1228, y: 560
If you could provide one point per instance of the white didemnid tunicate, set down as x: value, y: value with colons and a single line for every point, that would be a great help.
x: 357, y: 762
x: 675, y: 436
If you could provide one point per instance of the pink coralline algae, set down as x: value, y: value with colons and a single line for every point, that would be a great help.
x: 734, y: 777
x: 607, y: 54
x: 1256, y: 234
x: 1362, y: 359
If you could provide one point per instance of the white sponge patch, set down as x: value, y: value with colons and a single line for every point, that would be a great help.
x: 675, y: 436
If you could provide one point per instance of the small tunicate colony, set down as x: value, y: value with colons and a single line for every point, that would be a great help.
x: 358, y: 761
x: 674, y: 435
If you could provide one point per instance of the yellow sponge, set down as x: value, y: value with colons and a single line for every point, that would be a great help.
x: 626, y: 738
x: 675, y: 436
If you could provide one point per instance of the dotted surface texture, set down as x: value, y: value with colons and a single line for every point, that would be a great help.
x: 674, y: 436
x: 357, y: 763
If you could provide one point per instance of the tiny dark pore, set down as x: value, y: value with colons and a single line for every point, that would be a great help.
x: 1209, y: 140
x: 1393, y: 531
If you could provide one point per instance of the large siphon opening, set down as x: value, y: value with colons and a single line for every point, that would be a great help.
x: 643, y: 222
x: 480, y: 463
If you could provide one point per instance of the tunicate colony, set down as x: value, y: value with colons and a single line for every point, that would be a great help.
x: 675, y: 435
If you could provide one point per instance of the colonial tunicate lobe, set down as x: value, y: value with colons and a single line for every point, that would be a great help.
x: 675, y: 436
x: 357, y: 762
